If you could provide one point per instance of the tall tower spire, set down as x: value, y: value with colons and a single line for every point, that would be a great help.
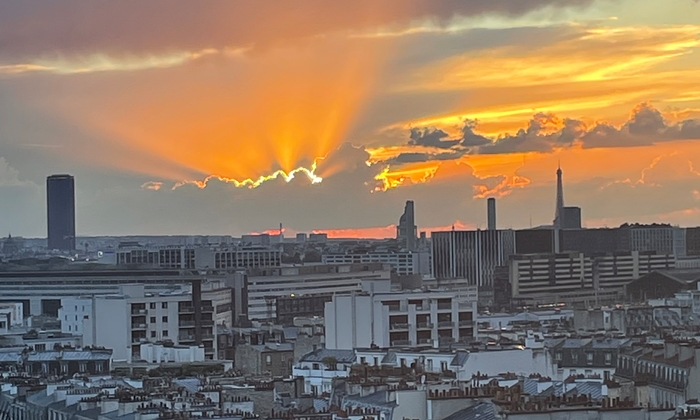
x: 559, y: 213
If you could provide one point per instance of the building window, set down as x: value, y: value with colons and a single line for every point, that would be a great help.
x: 608, y: 359
x: 164, y: 305
x: 69, y: 328
x: 315, y: 366
x: 574, y: 358
x: 363, y: 360
x: 165, y: 333
x: 82, y: 366
x: 152, y: 305
x: 153, y: 320
x: 557, y: 356
x: 165, y: 319
x: 64, y: 367
x: 443, y: 366
x: 268, y: 360
x: 153, y: 334
x: 589, y: 358
x: 99, y: 366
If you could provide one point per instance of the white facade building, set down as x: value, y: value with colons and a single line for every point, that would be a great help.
x: 404, y: 263
x: 520, y: 361
x: 266, y: 284
x: 126, y: 321
x: 73, y: 312
x: 400, y: 319
x: 158, y: 353
x: 321, y: 366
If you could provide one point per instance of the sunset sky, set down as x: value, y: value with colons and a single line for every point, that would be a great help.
x: 231, y: 116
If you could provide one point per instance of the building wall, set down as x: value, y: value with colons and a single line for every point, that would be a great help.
x: 286, y: 281
x: 107, y: 327
x: 471, y: 255
x: 399, y: 319
x: 72, y: 313
x: 404, y: 263
x: 561, y: 274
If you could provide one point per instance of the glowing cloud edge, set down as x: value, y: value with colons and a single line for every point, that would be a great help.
x: 254, y: 183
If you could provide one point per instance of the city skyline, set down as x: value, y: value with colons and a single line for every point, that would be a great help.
x: 368, y: 108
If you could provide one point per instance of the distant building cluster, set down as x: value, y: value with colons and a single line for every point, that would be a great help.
x: 556, y: 321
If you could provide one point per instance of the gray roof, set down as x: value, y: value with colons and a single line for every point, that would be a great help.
x: 342, y: 356
x: 114, y: 415
x: 482, y: 411
x: 460, y: 358
x: 273, y: 347
x: 40, y: 398
x: 375, y: 400
x: 389, y: 358
x: 47, y: 356
x: 10, y: 357
x: 190, y: 384
x: 290, y: 333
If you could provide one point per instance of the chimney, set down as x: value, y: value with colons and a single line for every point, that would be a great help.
x: 491, y: 213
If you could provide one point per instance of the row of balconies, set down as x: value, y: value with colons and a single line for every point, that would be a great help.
x: 420, y: 308
x: 427, y: 325
x: 190, y: 309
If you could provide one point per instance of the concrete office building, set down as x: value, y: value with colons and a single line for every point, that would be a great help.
x: 364, y: 320
x: 186, y: 257
x: 578, y: 278
x: 471, y: 255
x: 665, y: 239
x: 41, y: 291
x: 491, y: 213
x: 406, y: 231
x: 186, y: 316
x: 264, y: 285
x: 403, y: 263
x: 572, y: 218
x: 60, y: 209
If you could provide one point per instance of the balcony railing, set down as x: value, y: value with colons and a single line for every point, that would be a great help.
x: 138, y: 326
x: 444, y: 306
x: 138, y: 312
x: 138, y: 340
x: 186, y: 310
x: 187, y: 323
x: 207, y: 309
x: 182, y: 338
x: 424, y: 325
x: 465, y: 323
x: 400, y: 343
x: 425, y: 341
x: 446, y: 324
x: 207, y: 337
x: 398, y: 326
x: 207, y: 322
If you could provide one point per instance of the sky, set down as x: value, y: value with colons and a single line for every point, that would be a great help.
x: 224, y: 117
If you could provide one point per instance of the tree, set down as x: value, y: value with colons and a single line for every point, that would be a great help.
x: 330, y: 362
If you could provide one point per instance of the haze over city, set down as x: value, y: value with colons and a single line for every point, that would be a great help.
x: 179, y: 118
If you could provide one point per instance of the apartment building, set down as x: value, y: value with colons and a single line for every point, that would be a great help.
x: 202, y: 257
x: 403, y: 263
x: 471, y: 255
x: 183, y: 316
x: 389, y: 319
x: 574, y: 277
x: 263, y: 286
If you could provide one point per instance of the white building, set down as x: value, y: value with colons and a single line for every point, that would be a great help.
x: 400, y: 319
x: 520, y: 361
x: 664, y: 239
x: 12, y: 313
x: 125, y: 321
x: 321, y: 366
x: 158, y: 353
x: 73, y: 312
x: 265, y: 284
x: 404, y: 263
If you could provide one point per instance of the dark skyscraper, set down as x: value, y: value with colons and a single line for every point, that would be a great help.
x: 491, y: 216
x: 406, y: 231
x: 60, y: 203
